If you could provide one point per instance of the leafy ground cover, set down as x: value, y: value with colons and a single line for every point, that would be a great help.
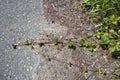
x: 106, y: 15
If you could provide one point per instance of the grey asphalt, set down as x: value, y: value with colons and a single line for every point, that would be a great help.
x: 19, y: 20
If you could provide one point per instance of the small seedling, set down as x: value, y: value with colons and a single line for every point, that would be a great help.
x: 40, y: 44
x: 69, y: 44
x: 114, y: 77
x: 47, y: 58
x: 55, y: 41
x: 104, y: 39
x: 81, y: 42
x: 14, y: 46
x: 90, y: 46
x: 31, y: 47
x: 102, y: 72
x: 26, y: 42
x: 96, y: 69
x: 88, y: 35
x: 85, y: 69
x: 69, y: 63
x: 91, y: 49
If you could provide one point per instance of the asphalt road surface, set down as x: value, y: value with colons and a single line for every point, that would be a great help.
x: 19, y: 20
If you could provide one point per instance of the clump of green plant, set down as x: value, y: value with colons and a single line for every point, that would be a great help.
x: 114, y: 77
x: 55, y: 41
x: 14, y: 46
x: 26, y: 42
x: 69, y: 63
x: 81, y: 42
x: 106, y: 15
x: 90, y: 46
x: 96, y: 69
x: 47, y: 58
x: 102, y: 72
x: 69, y: 44
x: 85, y: 70
x: 40, y: 44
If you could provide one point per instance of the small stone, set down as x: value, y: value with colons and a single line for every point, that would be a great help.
x: 61, y: 37
x: 27, y: 69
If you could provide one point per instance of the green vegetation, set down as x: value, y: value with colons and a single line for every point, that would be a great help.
x: 14, y: 46
x: 114, y: 77
x: 81, y: 42
x: 69, y: 44
x: 47, y: 58
x: 26, y: 42
x: 55, y: 41
x: 40, y: 44
x: 90, y: 46
x: 31, y: 47
x: 69, y: 63
x: 106, y: 15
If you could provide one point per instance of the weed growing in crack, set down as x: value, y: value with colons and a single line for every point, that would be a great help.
x: 81, y: 42
x: 55, y: 41
x: 47, y: 58
x: 40, y: 44
x: 69, y: 44
x: 14, y: 46
x: 26, y: 42
x: 69, y: 63
x: 90, y: 46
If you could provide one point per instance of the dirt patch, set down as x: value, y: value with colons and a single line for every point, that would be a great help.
x: 68, y: 13
x: 85, y: 65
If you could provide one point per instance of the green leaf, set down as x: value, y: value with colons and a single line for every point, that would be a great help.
x: 69, y: 44
x: 91, y: 49
x: 114, y: 22
x: 26, y: 42
x: 112, y: 43
x: 118, y: 46
x: 97, y: 35
x: 55, y: 41
x: 104, y: 39
x: 89, y: 44
x: 40, y: 44
x: 111, y: 31
x: 114, y: 77
x: 81, y: 42
x: 112, y: 17
x: 14, y: 46
x: 112, y: 49
x: 118, y: 32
